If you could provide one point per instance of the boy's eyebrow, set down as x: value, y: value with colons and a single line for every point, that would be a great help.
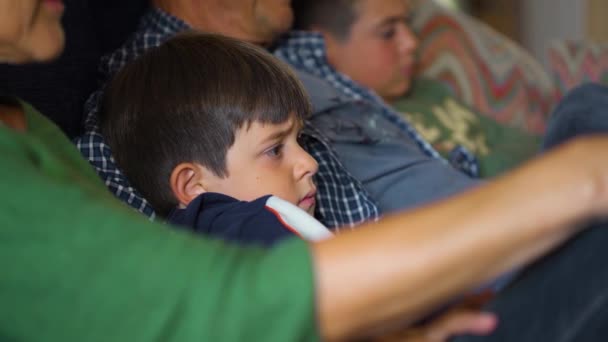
x: 393, y: 20
x: 279, y: 135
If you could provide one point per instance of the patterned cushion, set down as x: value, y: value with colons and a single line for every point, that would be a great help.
x: 483, y: 68
x: 573, y: 63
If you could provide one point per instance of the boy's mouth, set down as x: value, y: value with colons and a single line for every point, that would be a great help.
x: 308, y: 201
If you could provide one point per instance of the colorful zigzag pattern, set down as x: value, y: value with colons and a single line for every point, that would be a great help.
x: 483, y: 68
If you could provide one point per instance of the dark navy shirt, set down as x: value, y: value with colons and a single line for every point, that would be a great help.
x: 221, y: 216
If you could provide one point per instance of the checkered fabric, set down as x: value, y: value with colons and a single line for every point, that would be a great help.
x: 155, y: 27
x: 306, y: 51
x: 341, y: 201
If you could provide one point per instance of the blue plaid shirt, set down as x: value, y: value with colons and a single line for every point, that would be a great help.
x: 341, y: 200
x: 306, y: 51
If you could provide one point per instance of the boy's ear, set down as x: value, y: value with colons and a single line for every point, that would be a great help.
x: 187, y: 182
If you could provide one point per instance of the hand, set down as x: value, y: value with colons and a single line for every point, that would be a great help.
x: 452, y: 323
x: 466, y: 318
x: 592, y: 148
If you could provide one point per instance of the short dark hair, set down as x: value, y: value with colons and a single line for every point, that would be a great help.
x: 184, y: 101
x: 335, y: 16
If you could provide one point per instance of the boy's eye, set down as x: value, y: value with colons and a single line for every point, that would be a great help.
x: 388, y: 34
x: 275, y: 151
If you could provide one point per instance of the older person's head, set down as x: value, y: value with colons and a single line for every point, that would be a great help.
x: 368, y: 40
x: 30, y: 30
x: 254, y: 21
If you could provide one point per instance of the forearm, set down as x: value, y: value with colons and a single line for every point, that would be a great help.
x: 409, y: 263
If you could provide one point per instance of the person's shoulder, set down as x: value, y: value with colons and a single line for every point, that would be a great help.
x: 229, y: 219
x: 210, y: 209
x: 323, y: 95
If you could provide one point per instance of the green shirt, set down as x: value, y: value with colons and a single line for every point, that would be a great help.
x: 78, y: 265
x: 446, y: 122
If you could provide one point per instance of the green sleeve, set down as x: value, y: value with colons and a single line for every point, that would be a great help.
x: 78, y: 265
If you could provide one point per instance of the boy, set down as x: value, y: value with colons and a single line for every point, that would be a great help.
x: 370, y: 52
x: 209, y: 130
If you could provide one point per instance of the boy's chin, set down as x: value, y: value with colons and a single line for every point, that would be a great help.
x: 398, y: 92
x: 310, y: 211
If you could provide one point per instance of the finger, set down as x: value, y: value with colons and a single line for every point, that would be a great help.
x: 461, y: 322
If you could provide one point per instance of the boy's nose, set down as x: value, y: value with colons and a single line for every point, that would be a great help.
x: 408, y: 42
x: 306, y: 165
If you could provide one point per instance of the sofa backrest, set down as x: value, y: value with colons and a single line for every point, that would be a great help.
x: 483, y: 68
x: 572, y: 63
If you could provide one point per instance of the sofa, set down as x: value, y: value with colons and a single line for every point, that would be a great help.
x: 494, y: 74
x: 496, y: 98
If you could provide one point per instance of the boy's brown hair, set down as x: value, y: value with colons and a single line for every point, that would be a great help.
x: 184, y: 101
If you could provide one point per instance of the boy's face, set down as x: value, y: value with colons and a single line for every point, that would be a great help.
x: 266, y: 159
x: 379, y: 52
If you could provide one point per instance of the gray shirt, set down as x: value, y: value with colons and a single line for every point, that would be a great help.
x: 385, y: 159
